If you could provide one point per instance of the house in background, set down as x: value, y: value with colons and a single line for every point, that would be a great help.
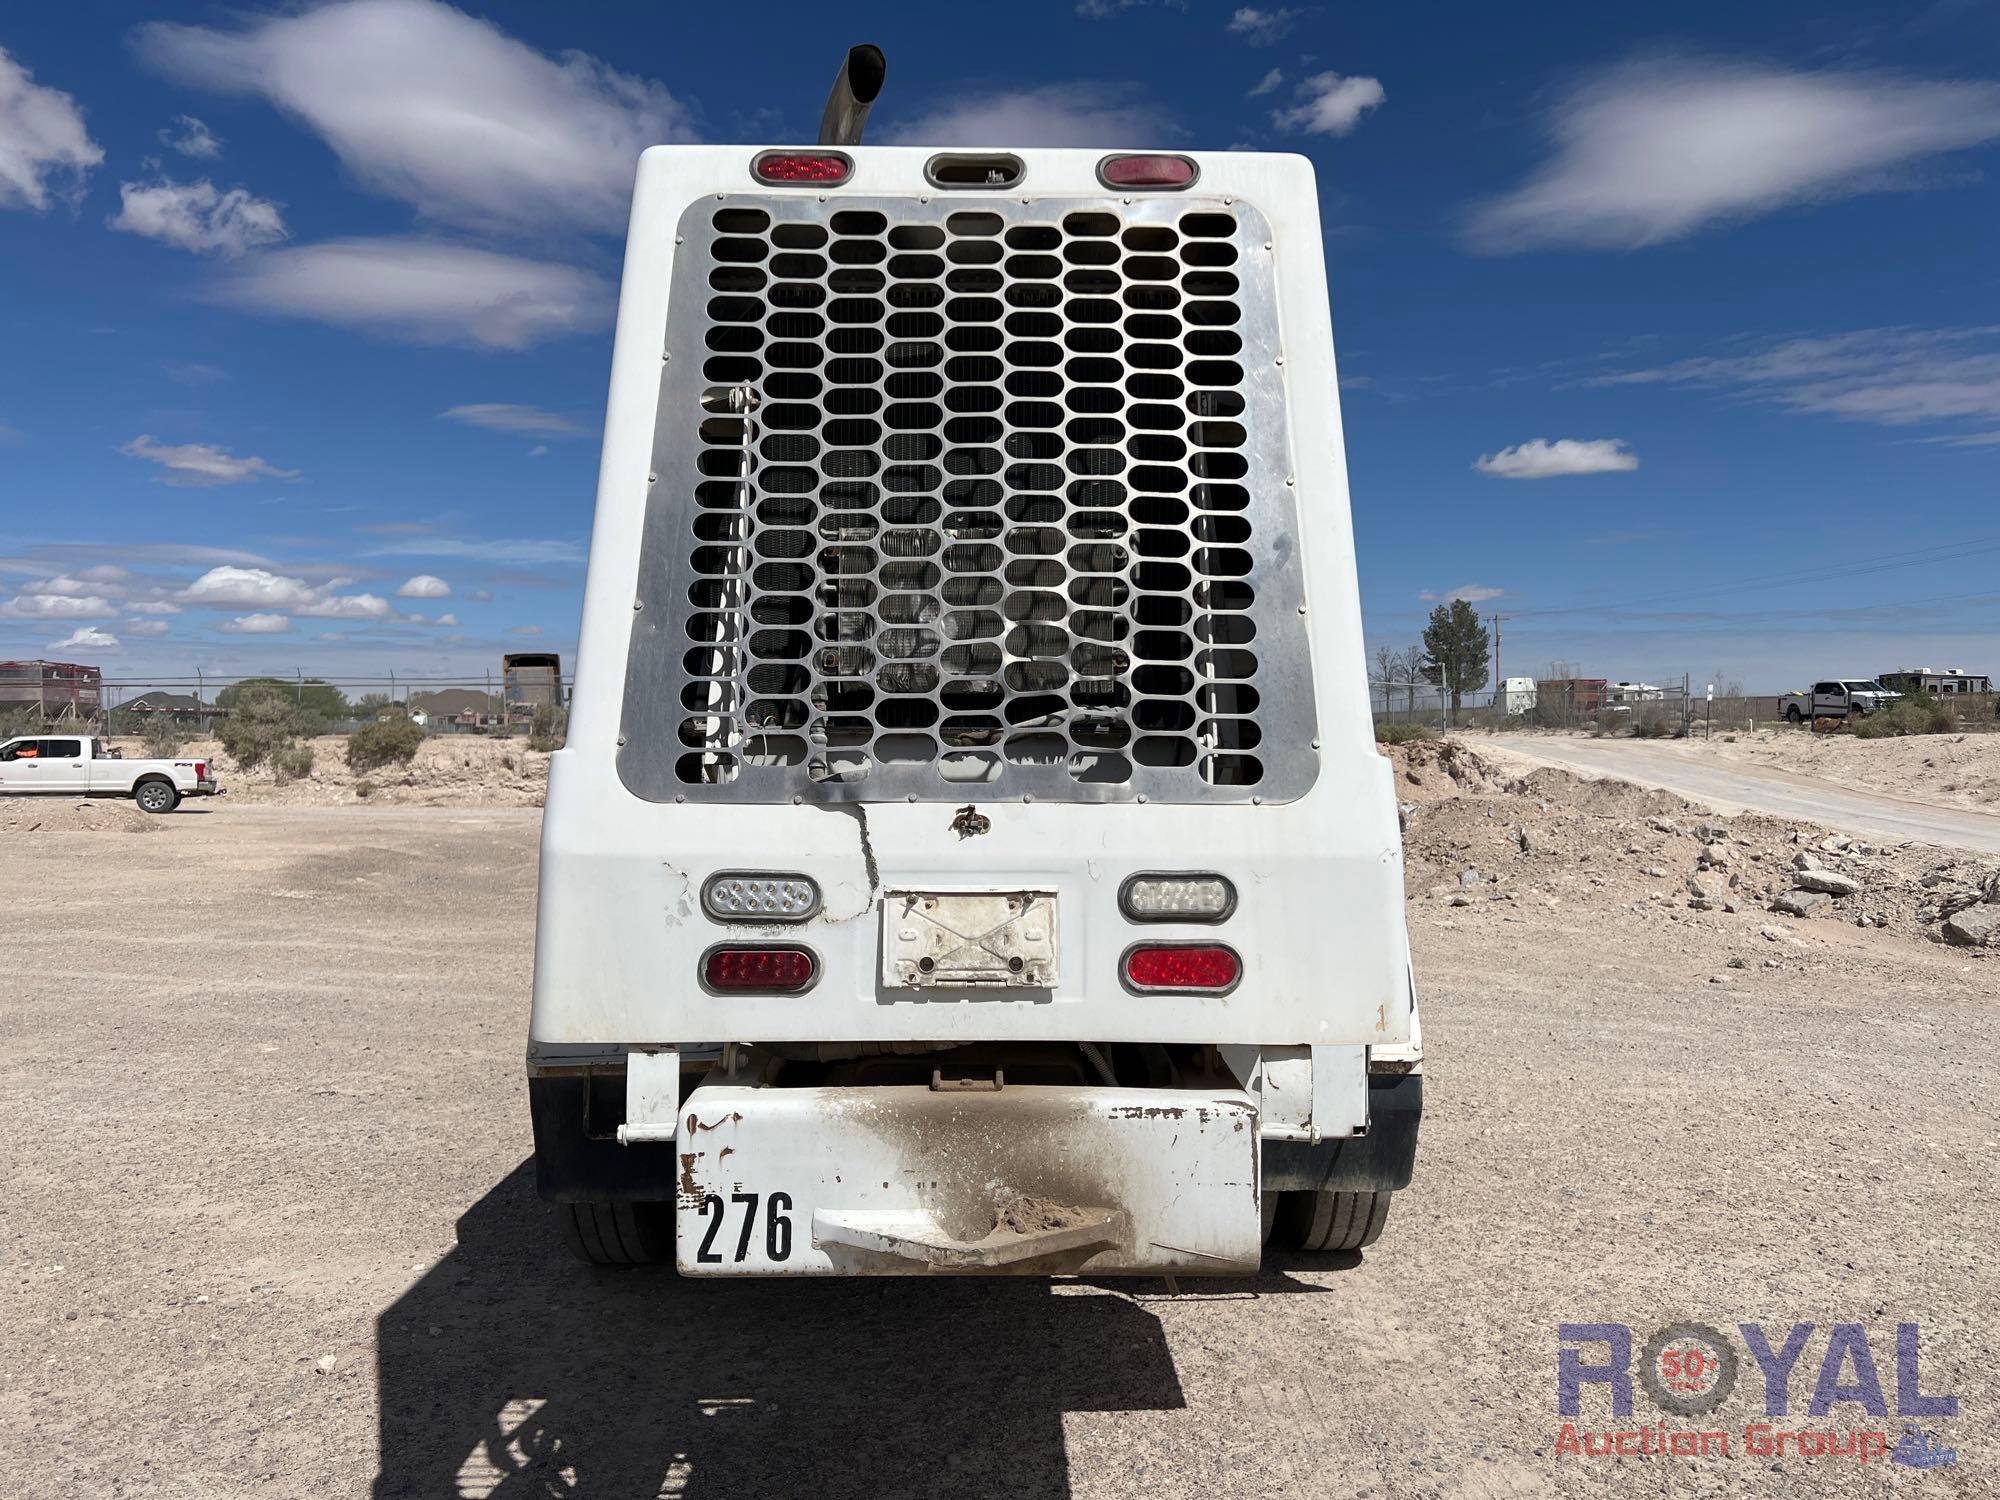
x: 1947, y: 683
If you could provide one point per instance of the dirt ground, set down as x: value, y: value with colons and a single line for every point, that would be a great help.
x: 1950, y: 770
x: 450, y: 770
x: 272, y: 1231
x: 1960, y: 770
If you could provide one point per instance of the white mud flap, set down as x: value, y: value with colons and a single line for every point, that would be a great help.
x: 1018, y: 1180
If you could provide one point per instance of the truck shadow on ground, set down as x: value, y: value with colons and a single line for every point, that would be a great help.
x: 511, y: 1370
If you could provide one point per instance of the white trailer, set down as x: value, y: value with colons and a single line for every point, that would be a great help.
x: 970, y: 853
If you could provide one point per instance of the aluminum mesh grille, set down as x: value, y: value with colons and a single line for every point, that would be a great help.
x: 958, y: 498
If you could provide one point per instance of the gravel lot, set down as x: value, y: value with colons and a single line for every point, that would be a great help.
x: 271, y: 1229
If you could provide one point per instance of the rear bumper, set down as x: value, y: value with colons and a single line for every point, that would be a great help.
x: 207, y: 788
x: 897, y: 1181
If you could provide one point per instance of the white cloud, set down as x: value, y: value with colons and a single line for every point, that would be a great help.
x: 524, y: 630
x: 191, y: 137
x: 1267, y: 84
x: 45, y: 152
x: 146, y: 627
x: 79, y: 586
x: 197, y: 216
x: 258, y: 624
x: 1894, y: 377
x: 34, y: 606
x: 481, y: 596
x: 499, y: 550
x: 261, y: 589
x: 1079, y: 114
x: 202, y: 463
x: 1471, y: 593
x: 248, y: 588
x: 424, y: 586
x: 1104, y: 10
x: 88, y: 638
x: 427, y: 291
x: 1330, y: 104
x: 538, y: 450
x: 1656, y: 150
x: 153, y: 607
x: 448, y: 113
x: 1260, y: 28
x: 1542, y: 459
x: 498, y: 416
x: 447, y: 620
x: 189, y: 372
x: 348, y: 607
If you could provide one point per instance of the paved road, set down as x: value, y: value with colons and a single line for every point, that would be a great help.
x: 1689, y: 771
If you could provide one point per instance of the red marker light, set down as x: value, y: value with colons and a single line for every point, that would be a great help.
x: 1183, y: 966
x: 802, y: 168
x: 781, y: 971
x: 1146, y: 171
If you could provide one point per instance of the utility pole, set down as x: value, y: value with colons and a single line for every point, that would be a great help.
x: 1499, y: 682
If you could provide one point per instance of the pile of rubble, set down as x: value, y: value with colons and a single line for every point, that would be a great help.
x: 1474, y: 834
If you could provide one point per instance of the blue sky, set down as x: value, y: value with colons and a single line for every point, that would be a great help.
x: 1670, y: 332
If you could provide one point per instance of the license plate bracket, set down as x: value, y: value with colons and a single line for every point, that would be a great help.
x: 969, y: 940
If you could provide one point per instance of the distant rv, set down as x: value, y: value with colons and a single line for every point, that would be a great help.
x: 531, y: 679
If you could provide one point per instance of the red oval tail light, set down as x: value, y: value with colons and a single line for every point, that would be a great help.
x: 1182, y: 966
x: 1147, y: 171
x: 768, y: 971
x: 802, y: 168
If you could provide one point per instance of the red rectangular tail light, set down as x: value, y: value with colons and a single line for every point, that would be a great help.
x: 741, y: 969
x: 1209, y: 967
x: 803, y: 168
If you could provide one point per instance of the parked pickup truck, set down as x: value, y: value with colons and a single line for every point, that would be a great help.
x: 79, y: 766
x: 1837, y: 700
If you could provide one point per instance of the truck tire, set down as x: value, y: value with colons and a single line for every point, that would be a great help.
x: 1332, y: 1221
x: 618, y: 1234
x: 156, y: 796
x: 1793, y: 715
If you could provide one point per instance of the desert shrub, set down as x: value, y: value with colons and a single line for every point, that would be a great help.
x: 1653, y: 725
x: 163, y: 738
x: 384, y: 742
x: 1402, y: 734
x: 1917, y: 714
x: 364, y: 788
x: 263, y: 721
x: 548, y: 727
x: 292, y: 762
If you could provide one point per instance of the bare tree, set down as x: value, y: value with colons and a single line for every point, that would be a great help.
x: 1410, y: 671
x: 1387, y: 659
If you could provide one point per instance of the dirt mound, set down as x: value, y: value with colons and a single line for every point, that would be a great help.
x: 25, y: 815
x: 1473, y: 835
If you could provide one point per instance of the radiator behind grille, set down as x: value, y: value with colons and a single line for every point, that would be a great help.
x: 960, y: 498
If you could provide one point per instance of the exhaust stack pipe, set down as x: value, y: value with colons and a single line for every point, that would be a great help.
x: 855, y: 89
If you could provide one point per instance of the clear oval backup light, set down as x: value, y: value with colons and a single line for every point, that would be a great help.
x: 1183, y: 967
x: 1146, y: 171
x: 802, y: 168
x: 759, y: 896
x: 765, y: 971
x: 1177, y: 898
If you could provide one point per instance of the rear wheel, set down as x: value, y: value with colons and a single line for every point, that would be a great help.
x: 1331, y: 1221
x: 1793, y: 714
x: 618, y: 1234
x: 156, y: 797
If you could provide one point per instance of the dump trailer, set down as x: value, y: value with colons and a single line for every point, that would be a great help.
x: 970, y: 854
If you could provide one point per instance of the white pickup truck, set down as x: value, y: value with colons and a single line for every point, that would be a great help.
x: 1849, y: 699
x: 80, y: 766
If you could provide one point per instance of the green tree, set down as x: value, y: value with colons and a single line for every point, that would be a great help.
x: 315, y: 698
x: 263, y: 721
x: 1457, y: 651
x: 377, y: 706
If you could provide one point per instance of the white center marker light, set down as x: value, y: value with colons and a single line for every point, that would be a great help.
x: 759, y: 896
x: 1177, y: 898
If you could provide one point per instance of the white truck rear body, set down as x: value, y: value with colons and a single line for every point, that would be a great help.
x: 877, y: 541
